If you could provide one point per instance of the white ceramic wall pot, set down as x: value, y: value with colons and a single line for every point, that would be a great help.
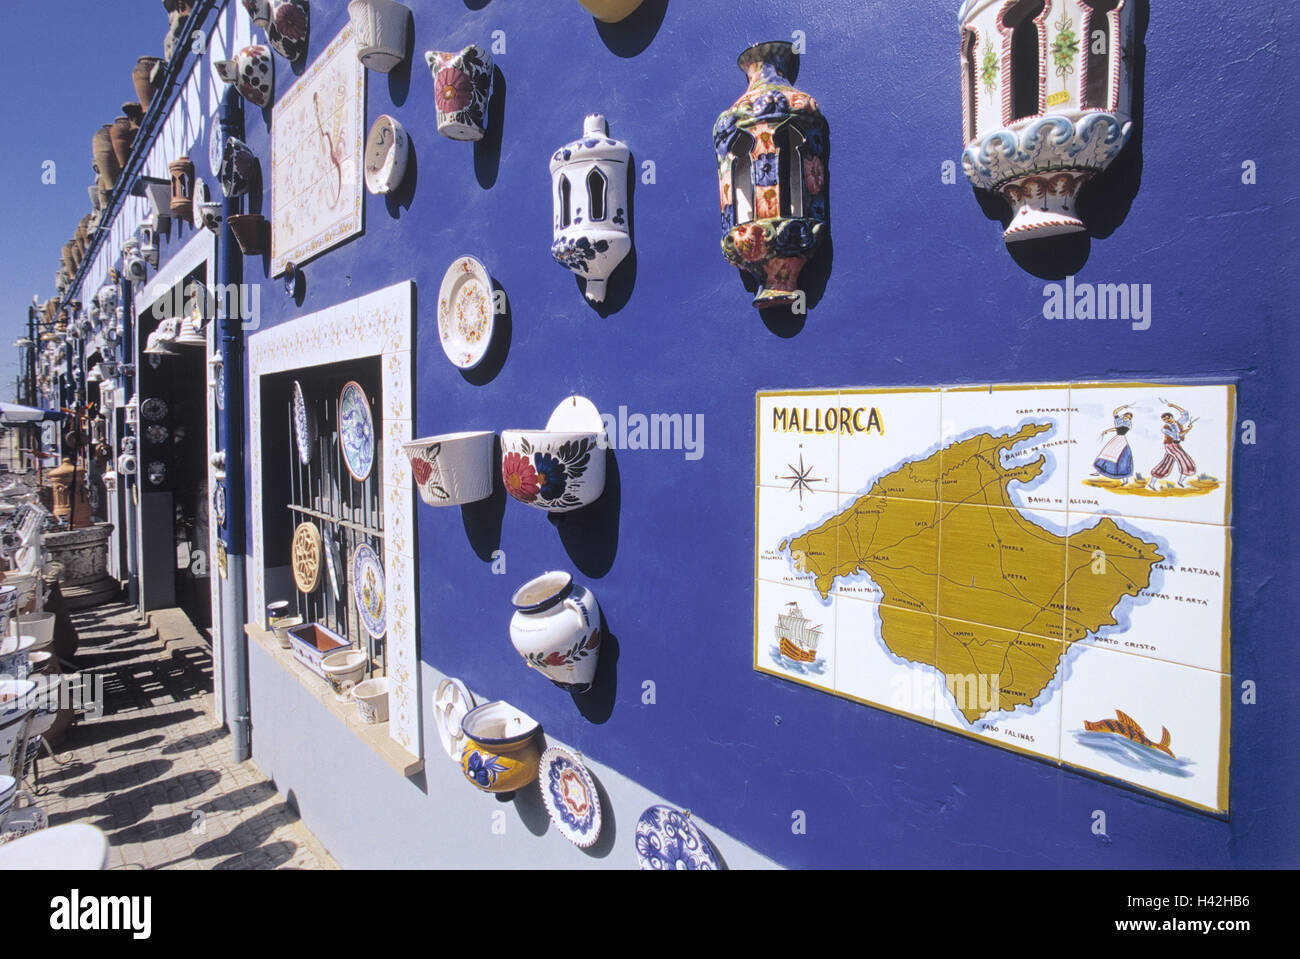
x: 381, y: 28
x: 591, y: 234
x: 452, y: 469
x: 557, y: 472
x: 500, y: 753
x: 611, y: 11
x: 252, y: 71
x: 1037, y: 132
x: 372, y: 700
x: 289, y: 28
x: 462, y: 90
x: 238, y: 167
x: 556, y: 629
x: 387, y: 150
x: 209, y: 215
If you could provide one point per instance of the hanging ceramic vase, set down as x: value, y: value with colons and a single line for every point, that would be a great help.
x: 556, y: 629
x: 238, y: 167
x: 591, y: 235
x: 771, y: 149
x: 289, y: 28
x: 381, y: 28
x: 250, y: 232
x: 387, y: 150
x: 105, y: 159
x: 611, y: 11
x: 182, y: 196
x: 500, y: 753
x: 462, y: 89
x: 121, y: 135
x: 252, y: 71
x: 147, y: 78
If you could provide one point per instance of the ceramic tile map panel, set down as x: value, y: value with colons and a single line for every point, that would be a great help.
x: 1041, y: 567
x: 317, y: 133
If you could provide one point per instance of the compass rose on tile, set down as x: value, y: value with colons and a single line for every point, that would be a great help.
x: 800, y: 478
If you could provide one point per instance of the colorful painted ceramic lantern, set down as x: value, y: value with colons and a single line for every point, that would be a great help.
x: 589, y: 192
x: 1046, y: 100
x: 771, y: 146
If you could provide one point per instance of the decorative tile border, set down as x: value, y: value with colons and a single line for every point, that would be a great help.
x: 378, y: 324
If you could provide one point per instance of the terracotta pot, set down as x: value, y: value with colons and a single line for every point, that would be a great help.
x: 134, y: 113
x: 122, y: 136
x: 68, y: 263
x: 105, y: 159
x: 182, y: 202
x: 250, y: 232
x: 147, y: 77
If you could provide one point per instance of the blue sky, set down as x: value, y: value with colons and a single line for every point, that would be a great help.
x: 69, y: 65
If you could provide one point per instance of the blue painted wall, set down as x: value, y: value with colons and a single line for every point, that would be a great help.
x: 920, y: 290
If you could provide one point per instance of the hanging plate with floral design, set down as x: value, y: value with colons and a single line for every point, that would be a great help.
x: 304, y: 427
x: 465, y: 312
x: 667, y: 839
x: 356, y: 431
x: 570, y: 796
x: 368, y: 589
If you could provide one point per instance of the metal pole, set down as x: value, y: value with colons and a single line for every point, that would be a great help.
x: 230, y: 437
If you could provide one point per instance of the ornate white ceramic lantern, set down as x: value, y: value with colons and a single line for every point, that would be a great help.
x: 589, y: 192
x: 1046, y: 102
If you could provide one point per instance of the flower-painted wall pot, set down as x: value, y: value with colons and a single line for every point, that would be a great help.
x: 462, y: 90
x: 556, y: 629
x: 562, y: 467
x: 589, y: 195
x: 387, y: 150
x: 250, y: 231
x: 121, y: 136
x: 372, y: 700
x: 147, y: 77
x: 182, y: 189
x: 260, y: 11
x: 1046, y: 106
x: 452, y: 469
x: 772, y: 147
x: 252, y: 71
x: 501, y: 753
x: 106, y: 164
x: 208, y: 214
x: 382, y: 29
x: 238, y: 167
x: 611, y: 11
x: 289, y: 28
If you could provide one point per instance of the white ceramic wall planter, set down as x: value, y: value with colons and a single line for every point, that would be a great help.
x: 382, y: 31
x: 462, y: 90
x: 452, y: 469
x: 611, y: 11
x: 562, y: 467
x: 1046, y: 103
x: 387, y: 150
x: 556, y: 629
x: 589, y: 194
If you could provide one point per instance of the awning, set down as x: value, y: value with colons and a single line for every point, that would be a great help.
x: 13, y: 414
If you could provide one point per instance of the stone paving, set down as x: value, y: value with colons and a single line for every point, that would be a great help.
x: 155, y: 771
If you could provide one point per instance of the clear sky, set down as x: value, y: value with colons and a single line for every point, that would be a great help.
x: 69, y: 66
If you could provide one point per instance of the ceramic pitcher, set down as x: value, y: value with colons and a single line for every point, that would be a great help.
x: 556, y: 629
x: 252, y: 71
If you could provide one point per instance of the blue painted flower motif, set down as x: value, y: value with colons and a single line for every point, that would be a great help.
x: 771, y: 103
x: 766, y: 169
x: 794, y: 237
x: 569, y: 793
x: 666, y: 840
x: 483, y: 769
x: 814, y: 141
x: 724, y: 131
x: 550, y: 474
x: 728, y: 217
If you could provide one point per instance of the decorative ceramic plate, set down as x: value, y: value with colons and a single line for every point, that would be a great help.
x: 156, y: 433
x: 154, y: 408
x: 304, y: 427
x: 465, y: 312
x: 667, y: 839
x: 332, y: 565
x: 305, y: 557
x: 570, y: 796
x: 368, y: 589
x: 356, y: 431
x: 219, y: 504
x: 450, y: 704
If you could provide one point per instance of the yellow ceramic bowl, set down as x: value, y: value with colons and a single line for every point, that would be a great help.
x: 501, y: 753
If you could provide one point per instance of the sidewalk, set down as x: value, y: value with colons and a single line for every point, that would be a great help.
x: 154, y: 773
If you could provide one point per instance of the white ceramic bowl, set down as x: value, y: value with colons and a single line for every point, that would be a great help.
x: 372, y: 699
x: 39, y: 626
x: 452, y: 469
x: 345, y: 666
x: 554, y: 471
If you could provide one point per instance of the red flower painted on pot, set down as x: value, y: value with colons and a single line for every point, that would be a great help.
x: 452, y: 90
x: 595, y: 639
x: 750, y: 242
x: 554, y: 659
x: 421, y: 469
x: 814, y: 175
x: 520, y: 477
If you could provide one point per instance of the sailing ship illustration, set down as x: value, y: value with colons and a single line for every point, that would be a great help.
x: 798, y: 640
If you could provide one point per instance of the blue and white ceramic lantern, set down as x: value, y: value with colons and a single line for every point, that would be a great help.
x: 589, y: 191
x: 1047, y: 92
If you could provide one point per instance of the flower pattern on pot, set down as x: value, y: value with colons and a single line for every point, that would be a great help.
x: 289, y: 28
x: 462, y: 90
x: 667, y: 840
x: 520, y: 477
x: 583, y: 647
x: 452, y: 90
x: 483, y: 768
x: 545, y: 480
x: 238, y: 164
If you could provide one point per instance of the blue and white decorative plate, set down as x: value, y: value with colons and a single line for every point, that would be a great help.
x: 368, y: 590
x: 304, y: 428
x: 356, y: 431
x: 667, y: 839
x: 570, y: 796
